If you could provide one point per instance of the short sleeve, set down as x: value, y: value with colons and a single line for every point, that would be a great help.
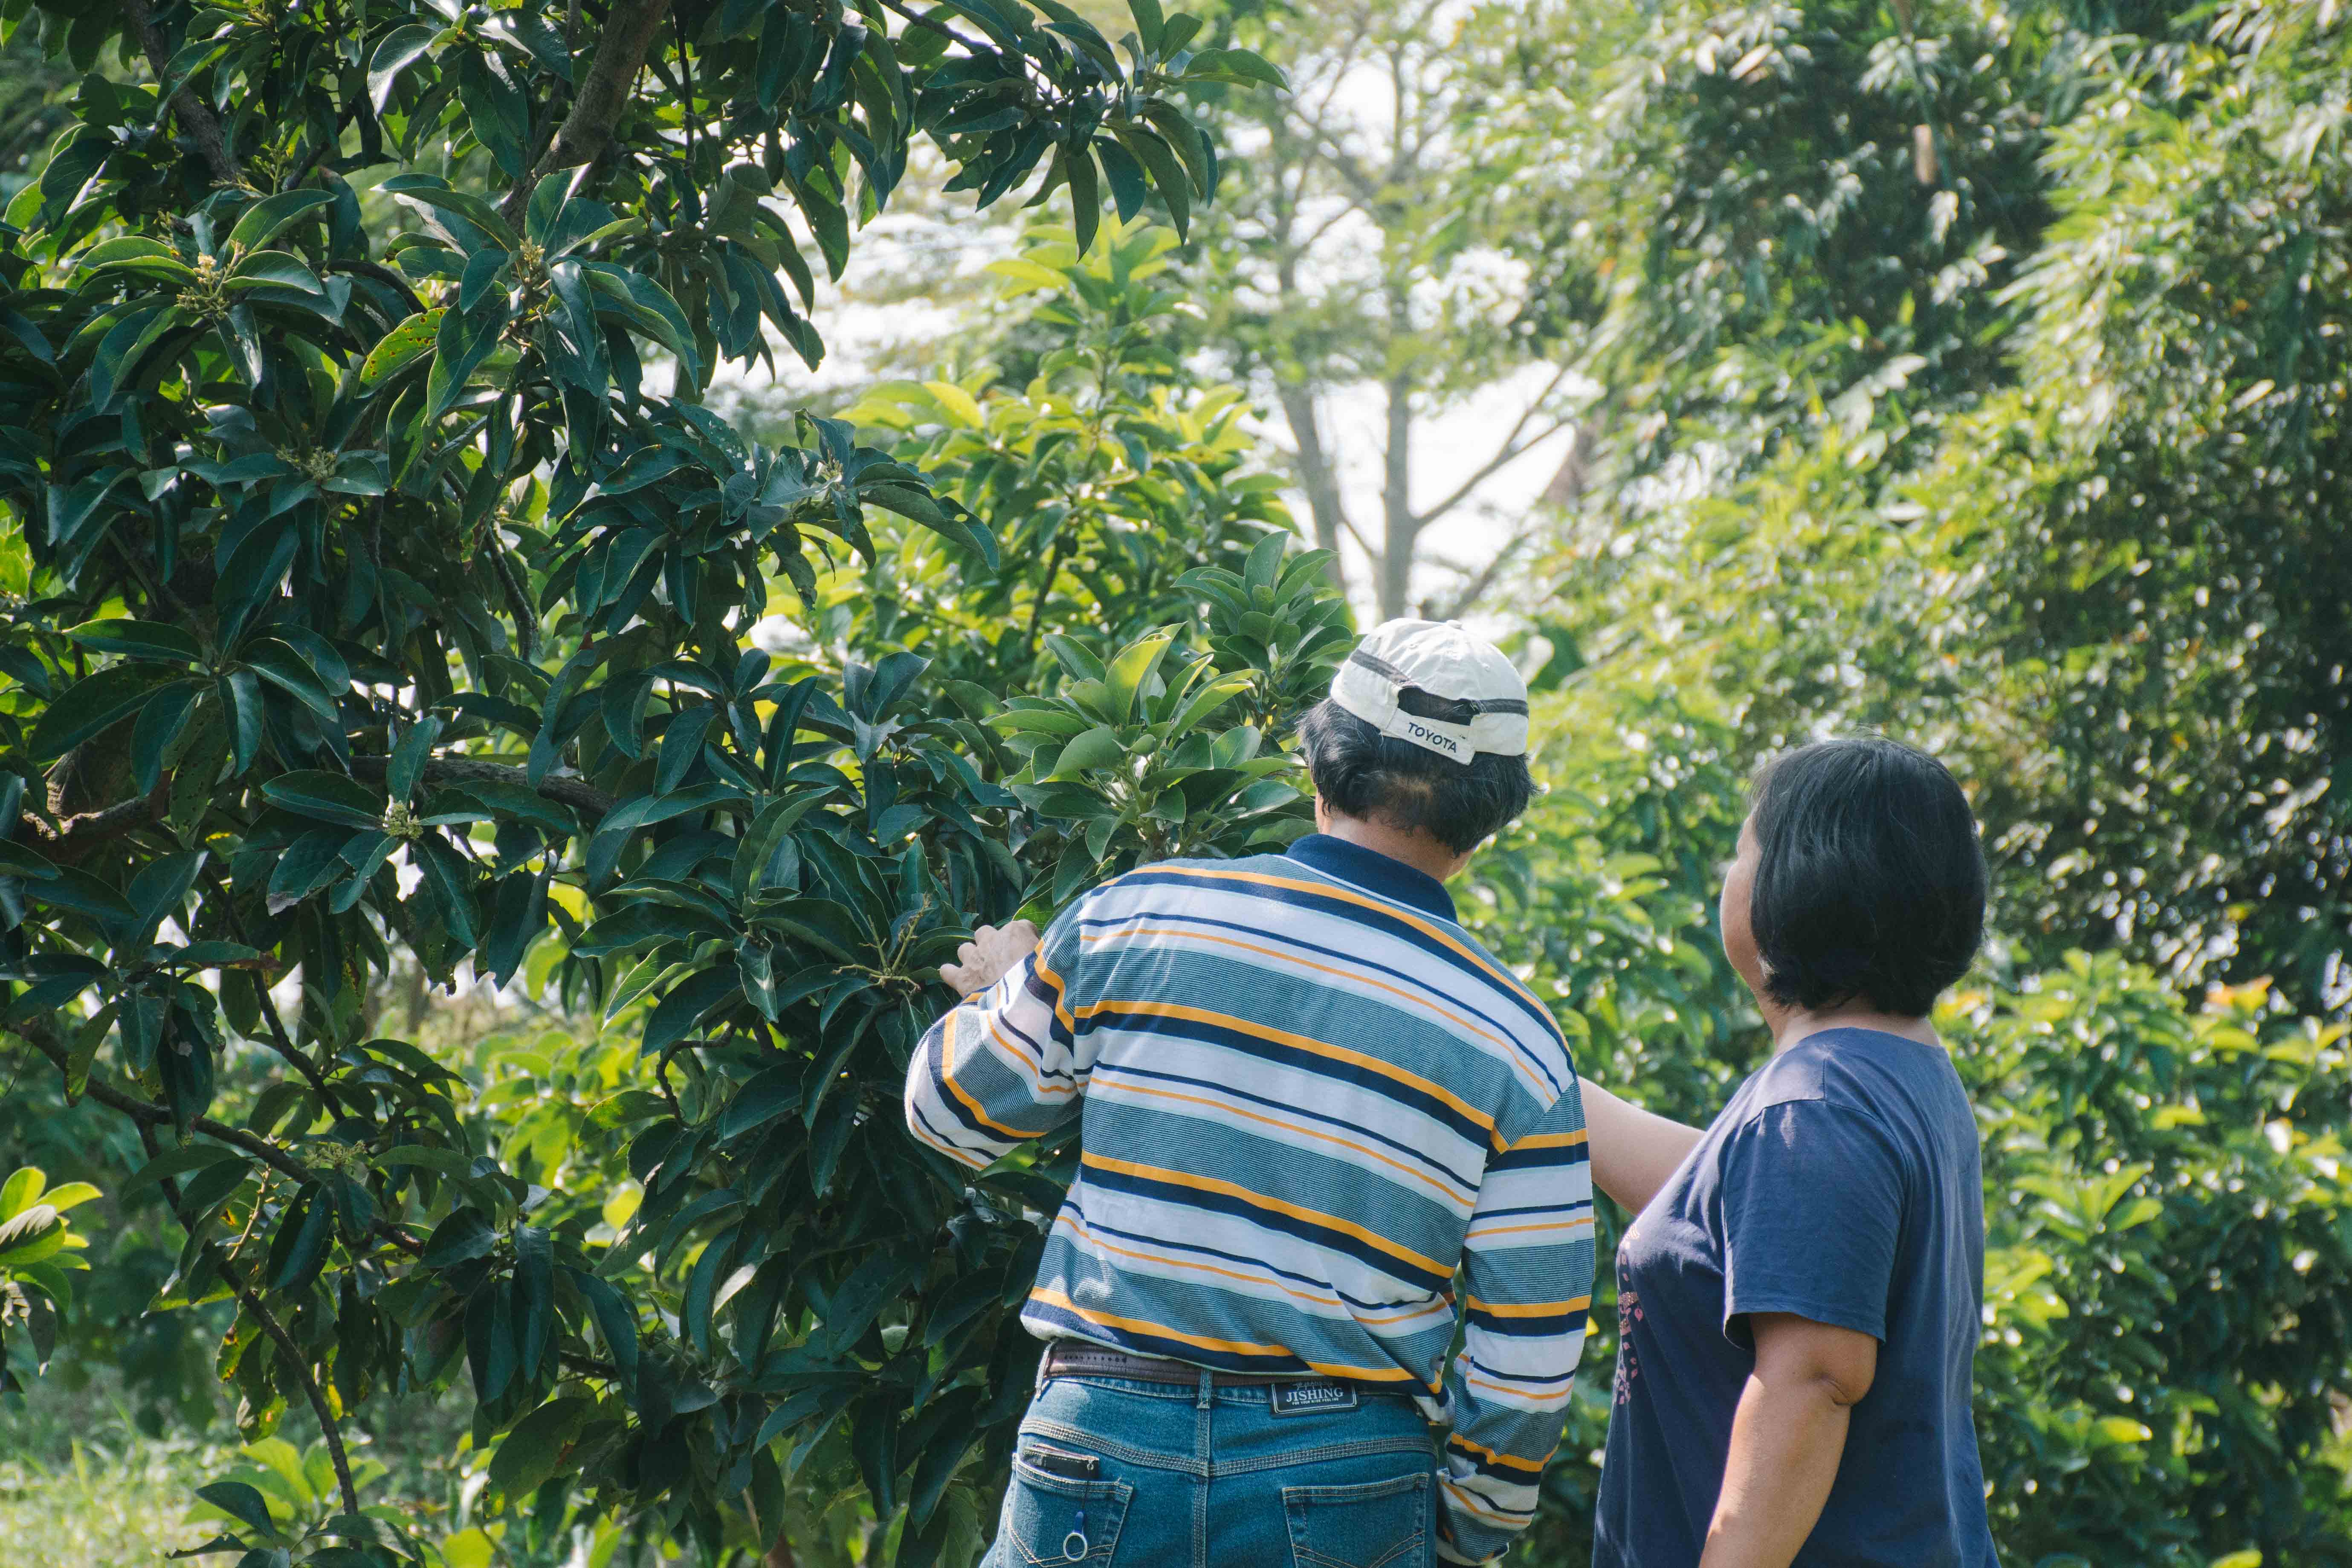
x: 1813, y: 1198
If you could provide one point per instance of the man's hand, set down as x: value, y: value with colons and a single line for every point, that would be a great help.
x: 991, y: 954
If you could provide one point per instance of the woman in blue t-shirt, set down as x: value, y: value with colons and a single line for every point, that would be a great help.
x: 1799, y: 1296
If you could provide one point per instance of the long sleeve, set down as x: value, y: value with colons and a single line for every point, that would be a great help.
x: 999, y: 1067
x: 1526, y: 1266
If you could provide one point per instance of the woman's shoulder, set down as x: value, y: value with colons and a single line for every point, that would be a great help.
x: 1899, y: 1082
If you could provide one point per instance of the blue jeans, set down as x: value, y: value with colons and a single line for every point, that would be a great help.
x: 1118, y: 1474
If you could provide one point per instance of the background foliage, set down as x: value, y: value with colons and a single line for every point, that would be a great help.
x: 1966, y: 369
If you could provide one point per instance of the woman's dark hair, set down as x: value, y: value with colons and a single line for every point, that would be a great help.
x: 1361, y: 772
x: 1870, y: 882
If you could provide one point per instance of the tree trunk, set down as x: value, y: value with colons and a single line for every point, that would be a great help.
x: 1403, y: 529
x: 1316, y: 476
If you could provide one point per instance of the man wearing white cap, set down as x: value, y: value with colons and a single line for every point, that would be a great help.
x: 1307, y: 1099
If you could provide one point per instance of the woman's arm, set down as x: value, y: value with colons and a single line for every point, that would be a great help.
x: 1633, y: 1152
x: 1787, y: 1438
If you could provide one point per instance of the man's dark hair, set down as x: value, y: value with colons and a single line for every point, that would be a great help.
x: 1870, y: 882
x: 1361, y: 772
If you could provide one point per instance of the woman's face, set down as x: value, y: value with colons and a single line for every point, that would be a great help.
x: 1734, y: 914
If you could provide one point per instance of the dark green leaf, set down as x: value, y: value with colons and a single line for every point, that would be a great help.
x: 139, y: 639
x: 530, y: 1455
x: 332, y: 797
x: 242, y: 1503
x: 89, y: 708
x: 266, y: 219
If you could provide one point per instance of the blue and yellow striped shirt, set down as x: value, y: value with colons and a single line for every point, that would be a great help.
x: 1308, y: 1100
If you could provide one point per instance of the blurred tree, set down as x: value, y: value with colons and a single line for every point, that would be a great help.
x: 1360, y: 269
x: 2149, y: 540
x: 1974, y: 371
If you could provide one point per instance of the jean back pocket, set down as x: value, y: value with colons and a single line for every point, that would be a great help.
x: 1373, y: 1524
x: 1058, y: 1521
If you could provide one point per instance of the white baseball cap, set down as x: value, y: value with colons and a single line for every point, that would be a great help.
x: 1435, y: 685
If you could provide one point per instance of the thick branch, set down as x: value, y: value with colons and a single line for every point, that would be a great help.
x: 76, y: 836
x: 562, y: 789
x: 203, y: 129
x: 294, y: 1358
x: 630, y: 28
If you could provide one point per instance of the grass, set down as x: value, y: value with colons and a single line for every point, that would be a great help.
x: 81, y: 1487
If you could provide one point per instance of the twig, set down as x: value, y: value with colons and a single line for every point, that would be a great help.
x: 518, y: 596
x: 1475, y: 589
x: 277, y: 1040
x: 195, y: 118
x: 686, y: 95
x: 1511, y: 450
x: 351, y: 112
x: 294, y: 1357
x: 1045, y: 592
x: 286, y: 1047
x: 932, y: 24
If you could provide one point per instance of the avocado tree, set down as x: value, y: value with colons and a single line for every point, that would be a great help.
x: 378, y: 591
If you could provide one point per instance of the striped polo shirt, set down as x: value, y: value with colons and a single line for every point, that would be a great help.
x: 1308, y: 1101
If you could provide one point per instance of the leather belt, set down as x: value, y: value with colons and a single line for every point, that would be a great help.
x: 1067, y: 1358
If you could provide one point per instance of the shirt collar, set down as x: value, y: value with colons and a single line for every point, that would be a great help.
x: 1376, y: 872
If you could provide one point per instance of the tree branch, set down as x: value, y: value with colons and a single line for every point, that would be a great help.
x: 75, y: 836
x: 564, y: 789
x: 1510, y: 451
x: 1475, y: 589
x: 300, y: 1364
x: 517, y: 599
x: 202, y: 127
x: 630, y: 28
x: 1045, y: 592
x: 278, y: 1041
x: 932, y: 24
x: 286, y: 1047
x: 326, y: 144
x: 37, y: 1034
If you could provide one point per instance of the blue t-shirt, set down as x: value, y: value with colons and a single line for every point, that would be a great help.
x: 1840, y: 1185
